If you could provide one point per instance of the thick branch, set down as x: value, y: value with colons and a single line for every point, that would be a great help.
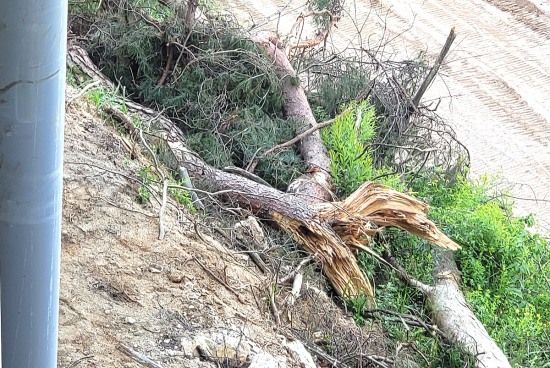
x: 321, y: 35
x: 329, y: 230
x: 455, y: 318
x: 292, y: 212
x: 435, y: 68
x: 451, y: 312
x: 317, y: 181
x: 252, y: 165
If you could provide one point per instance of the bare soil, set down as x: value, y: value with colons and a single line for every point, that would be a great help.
x: 494, y: 87
x: 120, y: 284
x: 185, y: 301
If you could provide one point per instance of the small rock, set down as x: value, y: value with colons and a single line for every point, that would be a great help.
x: 319, y: 336
x: 264, y: 360
x: 250, y: 232
x: 298, y: 351
x: 154, y: 270
x: 255, y: 349
x: 130, y: 320
x: 176, y: 278
x: 203, y: 347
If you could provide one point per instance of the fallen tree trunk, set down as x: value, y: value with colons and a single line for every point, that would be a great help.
x: 292, y: 212
x: 451, y: 312
x: 332, y: 230
x: 316, y: 183
x: 455, y: 318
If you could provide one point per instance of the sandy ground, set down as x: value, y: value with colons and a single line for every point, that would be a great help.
x: 494, y: 87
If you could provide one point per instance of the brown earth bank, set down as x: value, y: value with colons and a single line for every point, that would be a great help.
x: 189, y: 300
x: 194, y: 300
x: 494, y: 87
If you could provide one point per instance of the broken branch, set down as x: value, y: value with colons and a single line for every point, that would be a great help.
x: 143, y: 359
x: 435, y: 68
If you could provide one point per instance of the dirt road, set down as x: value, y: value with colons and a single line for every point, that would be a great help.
x: 495, y: 86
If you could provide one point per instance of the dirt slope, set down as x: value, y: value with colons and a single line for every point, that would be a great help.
x: 495, y: 85
x: 185, y: 301
x: 121, y: 285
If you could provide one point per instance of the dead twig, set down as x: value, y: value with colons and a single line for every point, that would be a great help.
x: 211, y: 274
x: 405, y: 277
x: 80, y: 360
x: 122, y: 175
x: 258, y: 261
x: 380, y: 361
x: 162, y: 230
x: 296, y: 288
x: 164, y: 185
x: 322, y: 355
x: 84, y: 90
x: 247, y: 174
x: 196, y: 228
x: 273, y: 306
x: 321, y: 35
x: 186, y: 182
x: 409, y: 320
x: 252, y: 165
x: 435, y: 68
x: 411, y: 345
x: 297, y: 270
x: 138, y: 357
x: 190, y: 14
x: 167, y: 67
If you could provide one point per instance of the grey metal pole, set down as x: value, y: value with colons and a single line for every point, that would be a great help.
x: 32, y: 104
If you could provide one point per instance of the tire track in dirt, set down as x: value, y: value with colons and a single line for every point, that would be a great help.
x: 498, y: 74
x: 525, y: 12
x: 501, y: 70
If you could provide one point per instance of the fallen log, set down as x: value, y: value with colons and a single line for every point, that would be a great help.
x: 292, y: 212
x: 451, y: 312
x: 316, y: 183
x: 332, y: 230
x: 455, y: 318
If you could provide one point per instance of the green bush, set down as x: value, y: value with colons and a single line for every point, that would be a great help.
x: 505, y: 270
x: 223, y: 92
x: 348, y: 142
x: 505, y: 265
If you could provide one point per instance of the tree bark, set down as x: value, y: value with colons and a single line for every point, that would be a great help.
x: 316, y: 183
x: 451, y: 312
x: 456, y: 320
